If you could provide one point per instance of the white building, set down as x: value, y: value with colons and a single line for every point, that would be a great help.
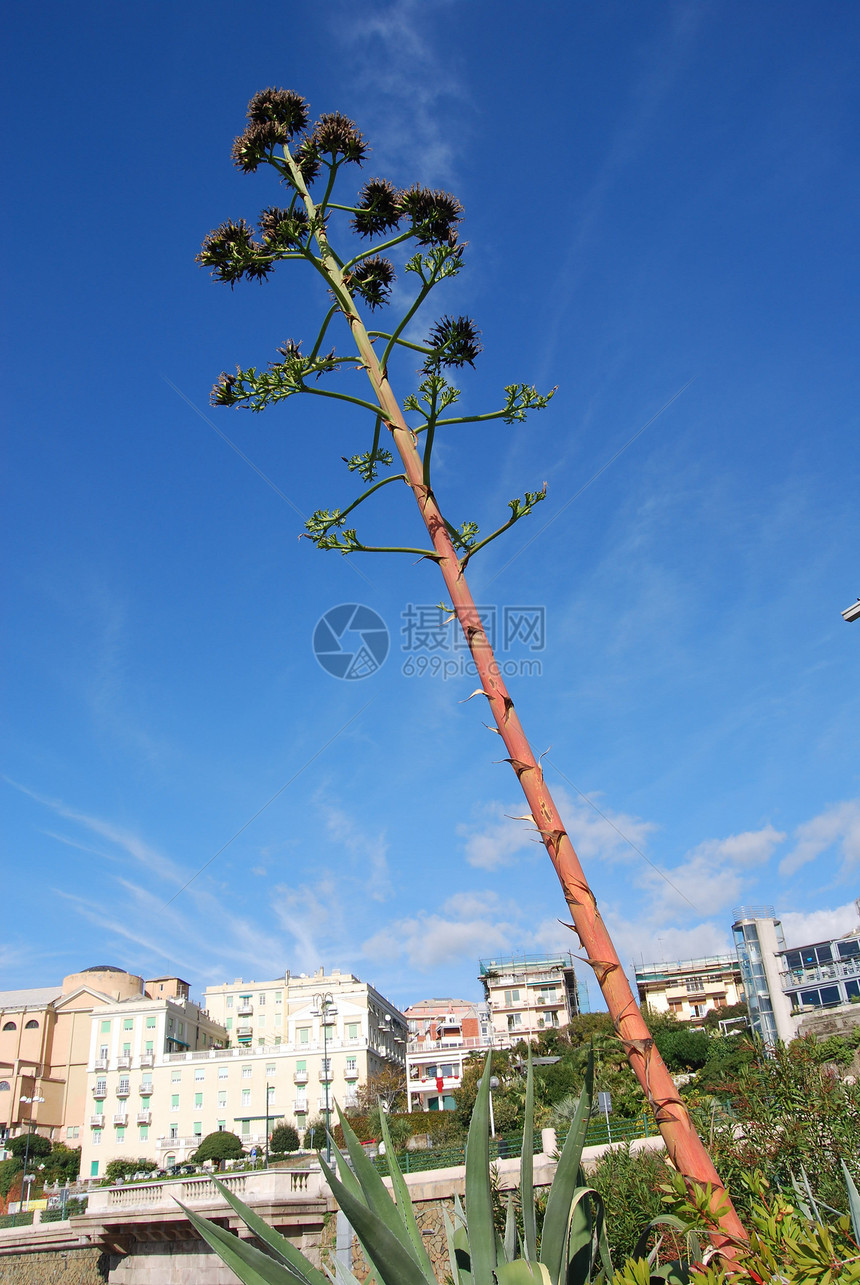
x: 690, y: 988
x: 443, y: 1034
x: 526, y: 994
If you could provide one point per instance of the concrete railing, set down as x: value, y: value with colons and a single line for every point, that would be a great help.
x: 263, y: 1186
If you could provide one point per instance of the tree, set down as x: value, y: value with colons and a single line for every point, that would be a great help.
x: 387, y: 1085
x: 125, y: 1169
x: 284, y: 1138
x: 219, y: 1146
x: 64, y: 1163
x: 277, y: 135
x: 9, y: 1170
x: 38, y: 1146
x: 315, y: 1134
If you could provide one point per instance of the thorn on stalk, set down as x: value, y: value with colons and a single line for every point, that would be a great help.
x: 492, y: 729
x: 479, y: 691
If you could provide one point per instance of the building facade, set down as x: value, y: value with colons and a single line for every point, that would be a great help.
x: 760, y: 942
x: 45, y: 1039
x: 526, y: 994
x: 443, y: 1034
x: 690, y: 988
x: 824, y: 974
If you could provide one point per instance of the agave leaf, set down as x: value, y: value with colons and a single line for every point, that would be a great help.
x: 386, y: 1252
x: 527, y: 1193
x: 853, y: 1200
x: 460, y: 1272
x: 510, y: 1243
x: 284, y: 1251
x: 664, y: 1220
x: 522, y: 1272
x: 374, y: 1192
x: 341, y: 1275
x: 250, y: 1264
x: 479, y: 1200
x: 580, y: 1242
x: 404, y: 1202
x: 564, y: 1185
x: 347, y: 1176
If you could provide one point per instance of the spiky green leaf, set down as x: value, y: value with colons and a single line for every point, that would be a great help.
x: 561, y: 1196
x: 479, y: 1199
x: 390, y: 1258
x: 527, y: 1194
x: 250, y: 1264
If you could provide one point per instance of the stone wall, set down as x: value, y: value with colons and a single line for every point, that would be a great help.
x: 66, y: 1267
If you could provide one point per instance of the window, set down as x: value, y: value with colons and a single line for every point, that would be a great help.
x: 222, y: 1097
x: 222, y: 1072
x: 304, y: 1034
x: 694, y: 984
x: 9, y: 1026
x: 175, y: 1077
x: 246, y: 1072
x: 126, y: 1050
x: 170, y: 1023
x: 124, y: 1087
x: 120, y: 1133
x: 261, y: 999
x: 350, y: 1066
x: 128, y: 1024
x: 94, y: 1167
x: 221, y: 1124
x: 174, y: 1101
x: 446, y: 1071
x: 229, y: 1024
x: 430, y: 1071
x: 197, y: 1129
x: 511, y: 997
x: 101, y: 1087
x: 849, y: 949
x: 199, y: 1073
x: 352, y: 1030
x: 100, y: 1106
x: 148, y: 1047
x: 105, y: 1028
x: 150, y: 1023
x: 325, y: 1073
x: 277, y: 1039
x: 514, y: 1020
x: 261, y: 1019
x: 246, y: 1097
x: 279, y: 999
x: 143, y: 1133
x: 229, y: 1001
x: 103, y: 1052
x: 95, y: 1139
x: 73, y: 1131
x: 198, y: 1099
x: 271, y: 1068
x: 32, y: 1025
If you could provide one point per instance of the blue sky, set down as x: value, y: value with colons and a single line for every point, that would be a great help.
x: 655, y: 194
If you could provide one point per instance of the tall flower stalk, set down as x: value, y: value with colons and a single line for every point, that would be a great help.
x: 307, y: 160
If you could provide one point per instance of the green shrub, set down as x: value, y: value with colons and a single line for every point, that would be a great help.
x: 284, y: 1138
x: 219, y: 1146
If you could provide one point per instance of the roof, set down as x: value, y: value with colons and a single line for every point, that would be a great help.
x: 445, y: 1004
x: 103, y: 968
x: 37, y: 997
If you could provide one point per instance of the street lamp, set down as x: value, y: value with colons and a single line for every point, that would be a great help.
x: 325, y: 1008
x: 852, y: 612
x: 32, y: 1102
x: 494, y: 1084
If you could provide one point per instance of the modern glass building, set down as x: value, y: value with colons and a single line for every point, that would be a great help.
x: 823, y: 974
x: 760, y: 944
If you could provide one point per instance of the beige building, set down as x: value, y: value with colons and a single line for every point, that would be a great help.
x: 161, y: 1078
x: 527, y: 994
x: 443, y: 1034
x: 45, y: 1048
x: 690, y: 988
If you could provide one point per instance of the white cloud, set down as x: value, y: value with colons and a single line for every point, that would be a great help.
x: 802, y: 927
x: 837, y: 828
x: 369, y: 849
x: 712, y: 875
x: 470, y: 925
x: 499, y: 841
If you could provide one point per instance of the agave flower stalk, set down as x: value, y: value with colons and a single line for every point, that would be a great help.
x: 276, y: 119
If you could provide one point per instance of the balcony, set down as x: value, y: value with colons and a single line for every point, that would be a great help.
x: 300, y: 1077
x: 123, y: 1089
x: 145, y: 1089
x: 121, y: 1118
x: 147, y: 1059
x: 321, y: 1103
x: 300, y: 1106
x: 144, y: 1117
x: 246, y: 1031
x: 100, y: 1064
x: 97, y: 1121
x: 100, y: 1091
x: 123, y: 1063
x: 245, y: 1010
x: 174, y: 1140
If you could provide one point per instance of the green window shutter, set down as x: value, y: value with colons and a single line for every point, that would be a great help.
x: 106, y: 1028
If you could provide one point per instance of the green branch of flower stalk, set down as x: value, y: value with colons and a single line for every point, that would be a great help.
x: 378, y: 249
x: 323, y: 328
x: 403, y: 343
x: 519, y: 509
x: 322, y: 518
x: 521, y: 398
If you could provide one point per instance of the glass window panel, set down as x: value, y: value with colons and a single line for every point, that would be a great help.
x: 830, y: 995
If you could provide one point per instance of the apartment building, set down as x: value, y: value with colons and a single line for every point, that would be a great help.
x: 690, y: 988
x: 133, y: 1096
x: 443, y: 1034
x: 45, y: 1040
x: 760, y: 942
x: 825, y: 974
x: 528, y: 993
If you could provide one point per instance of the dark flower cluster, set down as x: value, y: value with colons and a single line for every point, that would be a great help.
x: 280, y: 106
x: 307, y: 160
x: 232, y: 253
x: 224, y: 392
x: 286, y: 229
x: 434, y: 215
x: 455, y: 341
x: 372, y: 279
x: 379, y: 208
x: 335, y: 135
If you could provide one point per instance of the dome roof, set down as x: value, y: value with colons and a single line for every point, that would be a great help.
x: 103, y: 968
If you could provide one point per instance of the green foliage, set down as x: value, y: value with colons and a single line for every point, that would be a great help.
x: 630, y: 1184
x: 126, y: 1169
x: 791, y: 1111
x: 63, y: 1165
x: 219, y: 1146
x: 9, y: 1170
x: 38, y: 1146
x: 284, y: 1138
